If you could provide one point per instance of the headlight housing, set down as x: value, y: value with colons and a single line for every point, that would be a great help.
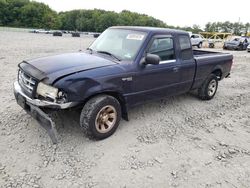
x: 47, y: 91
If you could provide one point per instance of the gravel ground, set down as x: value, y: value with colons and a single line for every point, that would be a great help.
x: 175, y: 142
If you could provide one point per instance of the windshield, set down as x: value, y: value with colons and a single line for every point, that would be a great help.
x: 240, y: 39
x: 121, y: 43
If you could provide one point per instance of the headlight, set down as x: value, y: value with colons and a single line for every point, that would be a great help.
x: 47, y: 91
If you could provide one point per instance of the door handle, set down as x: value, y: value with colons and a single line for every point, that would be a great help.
x: 176, y: 69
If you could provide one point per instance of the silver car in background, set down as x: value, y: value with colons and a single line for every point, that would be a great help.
x: 248, y: 48
x: 196, y: 40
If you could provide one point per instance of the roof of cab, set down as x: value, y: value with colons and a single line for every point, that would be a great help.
x: 150, y: 29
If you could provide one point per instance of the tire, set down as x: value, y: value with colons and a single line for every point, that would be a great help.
x: 75, y: 34
x: 199, y: 45
x: 100, y: 117
x: 240, y: 47
x: 208, y: 88
x: 211, y: 45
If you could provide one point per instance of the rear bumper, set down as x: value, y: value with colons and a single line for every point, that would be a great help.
x: 33, y: 108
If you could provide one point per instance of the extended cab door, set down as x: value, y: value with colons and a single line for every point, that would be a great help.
x: 155, y: 81
x: 187, y: 62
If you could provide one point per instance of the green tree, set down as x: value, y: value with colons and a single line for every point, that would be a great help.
x: 38, y: 15
x: 10, y: 11
x: 3, y: 16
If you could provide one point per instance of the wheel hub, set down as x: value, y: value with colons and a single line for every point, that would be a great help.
x: 212, y: 87
x: 106, y: 119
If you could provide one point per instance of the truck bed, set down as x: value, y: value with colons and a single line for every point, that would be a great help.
x: 207, y: 62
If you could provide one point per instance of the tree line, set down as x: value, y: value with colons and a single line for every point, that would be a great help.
x: 25, y: 13
x: 236, y: 28
x: 98, y: 20
x: 31, y: 14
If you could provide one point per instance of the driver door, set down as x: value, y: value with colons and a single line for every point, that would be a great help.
x: 156, y: 81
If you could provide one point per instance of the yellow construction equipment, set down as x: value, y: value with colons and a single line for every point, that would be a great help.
x: 215, y: 35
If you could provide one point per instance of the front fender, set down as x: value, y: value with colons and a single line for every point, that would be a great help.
x: 76, y: 89
x: 82, y: 89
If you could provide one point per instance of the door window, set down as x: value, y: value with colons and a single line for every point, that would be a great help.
x: 163, y: 47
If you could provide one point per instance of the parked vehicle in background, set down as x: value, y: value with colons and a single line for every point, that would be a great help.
x: 123, y: 67
x: 237, y: 43
x: 42, y: 31
x: 34, y: 31
x: 248, y: 48
x: 65, y: 32
x: 57, y: 33
x: 196, y: 40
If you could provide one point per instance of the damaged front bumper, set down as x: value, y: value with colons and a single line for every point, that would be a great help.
x: 34, y: 108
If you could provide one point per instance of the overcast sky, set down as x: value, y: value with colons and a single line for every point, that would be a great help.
x: 174, y: 12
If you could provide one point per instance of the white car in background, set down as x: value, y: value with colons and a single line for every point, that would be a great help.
x: 196, y: 40
x: 248, y: 48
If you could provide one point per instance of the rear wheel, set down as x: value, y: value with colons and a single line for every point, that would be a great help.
x: 100, y: 116
x: 208, y: 88
x: 211, y: 45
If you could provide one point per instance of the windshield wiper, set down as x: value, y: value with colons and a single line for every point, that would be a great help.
x: 110, y: 54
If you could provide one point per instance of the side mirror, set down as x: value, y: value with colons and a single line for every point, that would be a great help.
x: 151, y: 59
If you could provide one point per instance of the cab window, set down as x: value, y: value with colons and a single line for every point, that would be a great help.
x: 185, y: 47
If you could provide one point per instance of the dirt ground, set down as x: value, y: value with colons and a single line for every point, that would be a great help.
x: 174, y: 142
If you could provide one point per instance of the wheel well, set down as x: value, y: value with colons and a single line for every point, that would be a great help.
x: 217, y: 73
x: 120, y: 99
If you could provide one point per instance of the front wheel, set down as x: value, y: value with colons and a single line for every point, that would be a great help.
x: 100, y: 116
x: 241, y: 47
x: 208, y: 88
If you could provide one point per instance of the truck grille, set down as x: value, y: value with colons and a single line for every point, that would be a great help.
x: 27, y: 82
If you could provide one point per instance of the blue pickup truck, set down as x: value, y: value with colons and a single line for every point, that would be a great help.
x: 122, y: 68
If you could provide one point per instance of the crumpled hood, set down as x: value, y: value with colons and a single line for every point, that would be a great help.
x: 57, y: 66
x: 232, y: 43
